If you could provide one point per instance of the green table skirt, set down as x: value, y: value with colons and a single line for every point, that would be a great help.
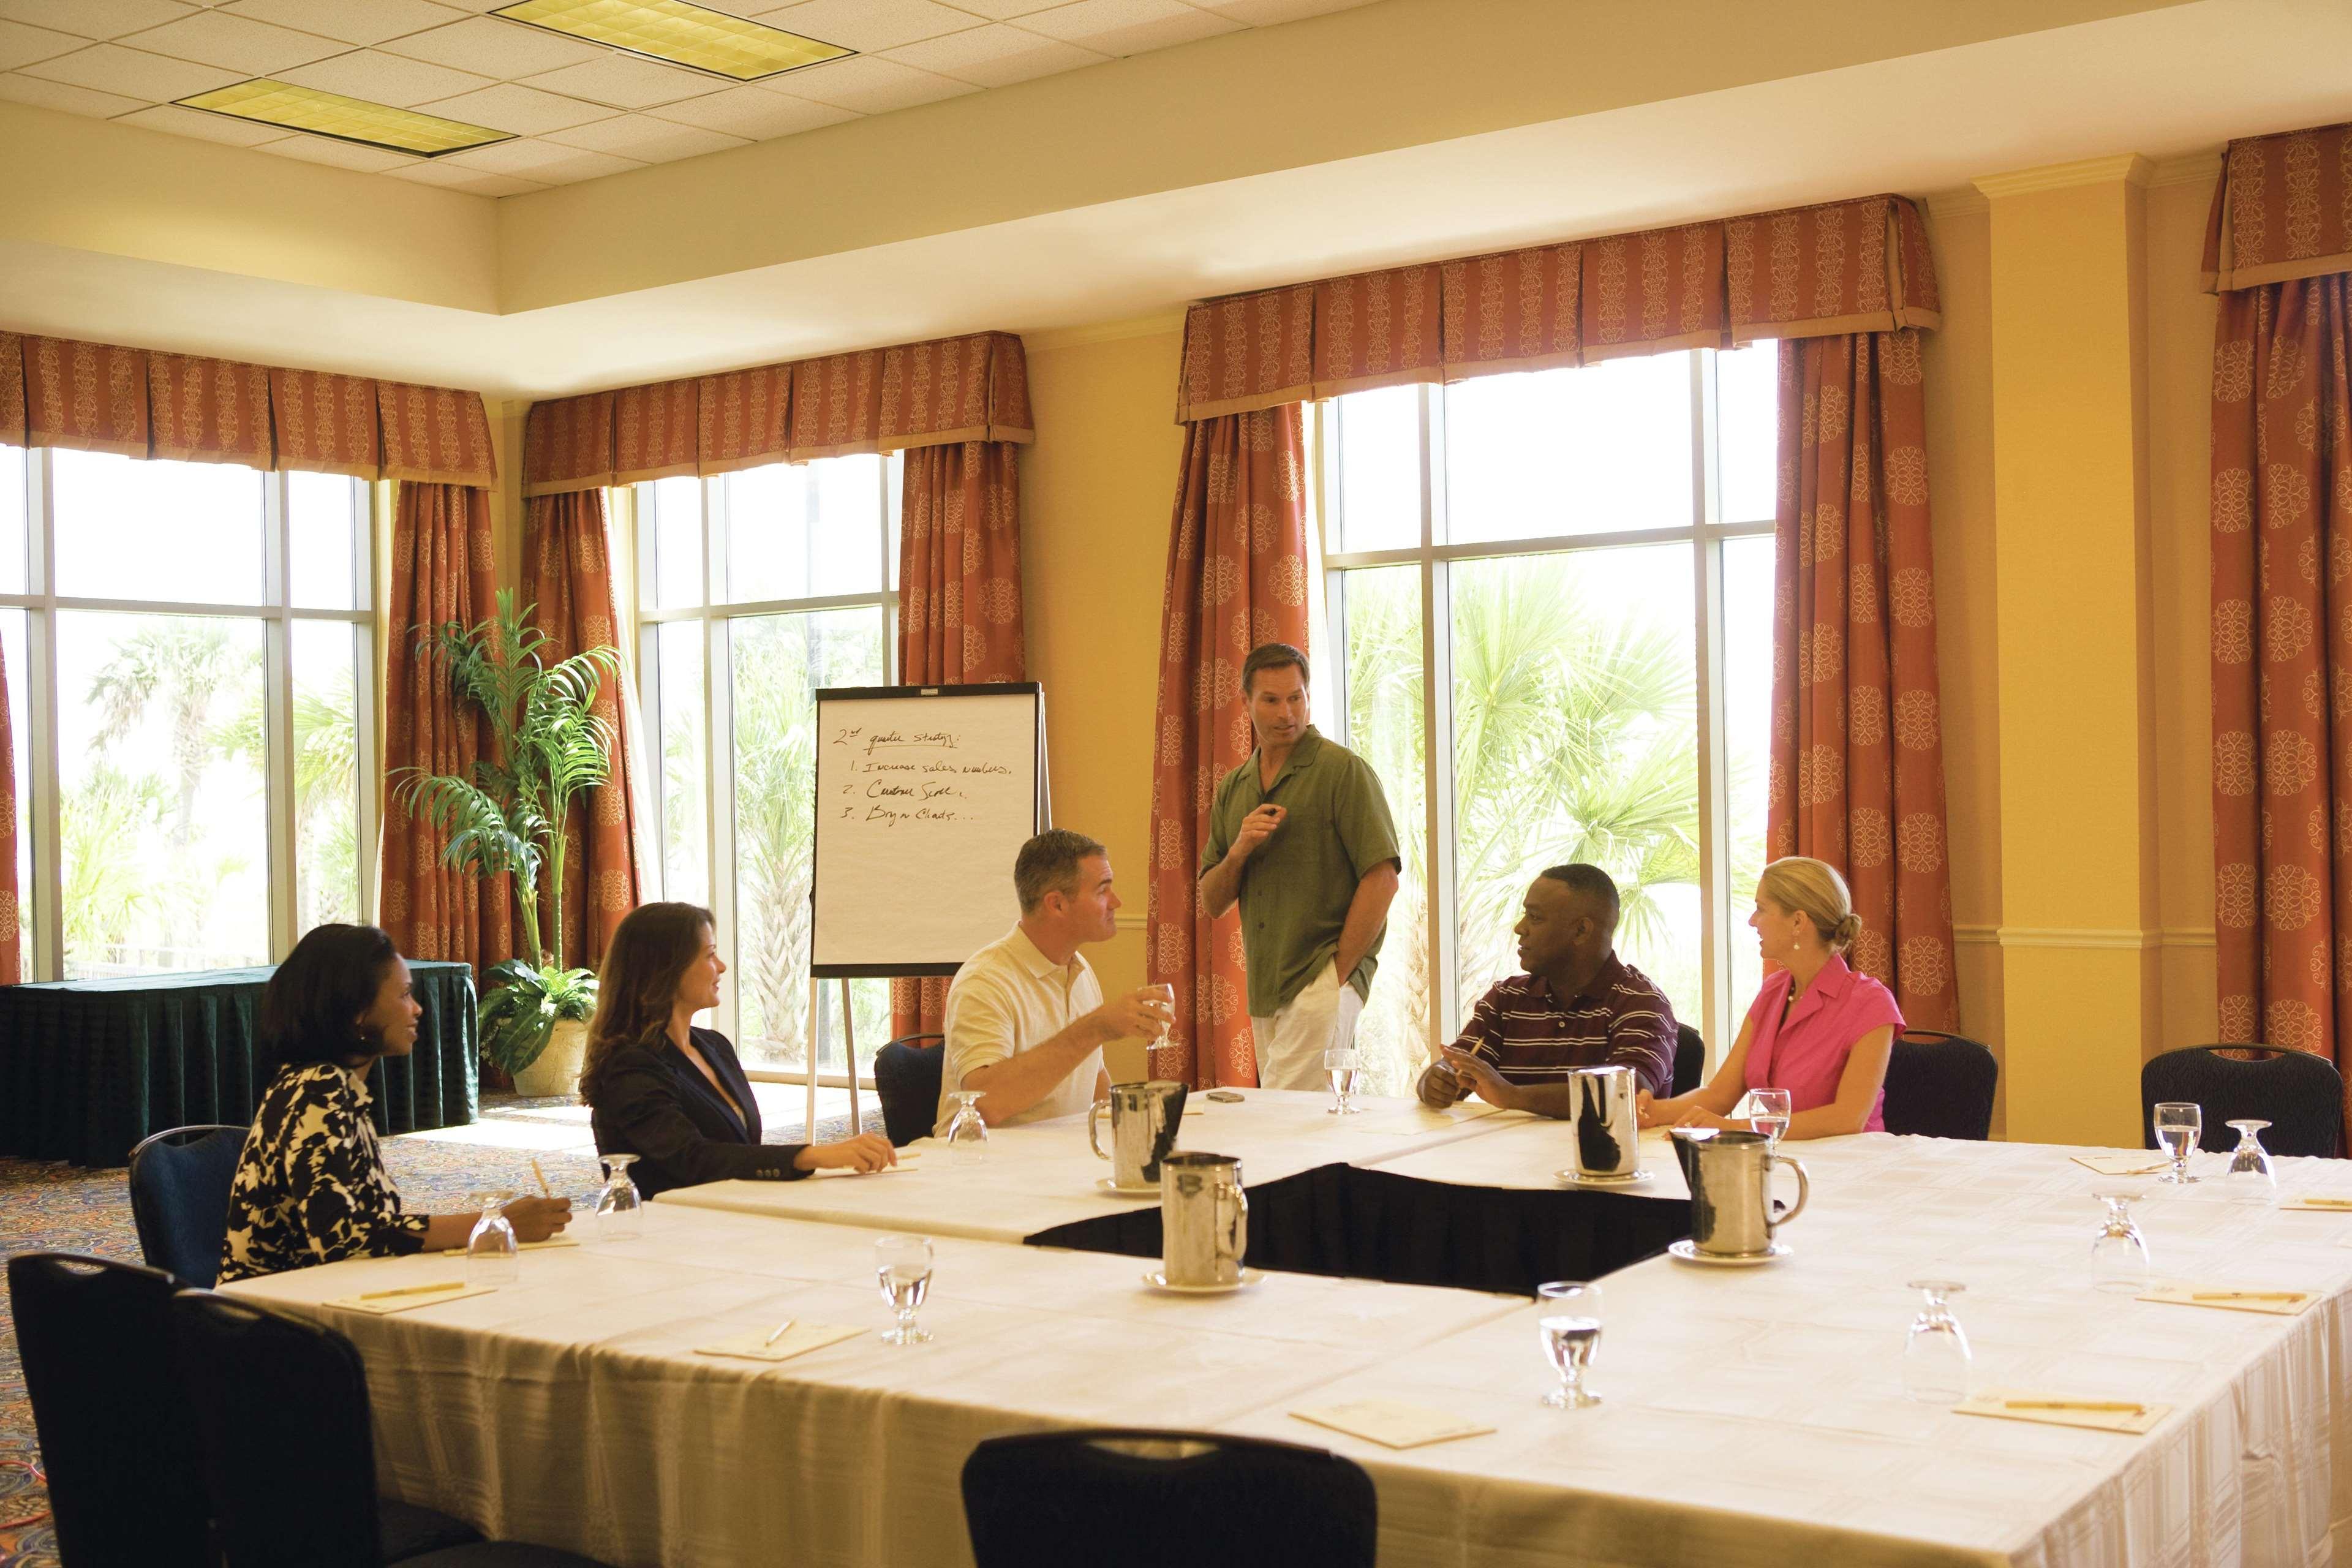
x: 87, y: 1067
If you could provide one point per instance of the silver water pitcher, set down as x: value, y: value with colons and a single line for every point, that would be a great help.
x: 1144, y: 1120
x: 1608, y: 1133
x: 1730, y: 1177
x: 1203, y: 1219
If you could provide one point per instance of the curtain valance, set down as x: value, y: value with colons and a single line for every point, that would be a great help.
x: 936, y: 394
x: 1844, y: 267
x: 102, y: 397
x: 2283, y: 210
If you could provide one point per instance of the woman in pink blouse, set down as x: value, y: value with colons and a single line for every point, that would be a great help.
x: 1818, y: 1028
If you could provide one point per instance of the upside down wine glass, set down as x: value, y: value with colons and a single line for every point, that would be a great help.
x: 2250, y: 1175
x: 1935, y: 1354
x: 619, y: 1207
x: 967, y: 1132
x: 492, y: 1253
x: 2118, y: 1253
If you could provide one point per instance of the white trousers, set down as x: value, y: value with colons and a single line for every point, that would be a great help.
x: 1290, y: 1044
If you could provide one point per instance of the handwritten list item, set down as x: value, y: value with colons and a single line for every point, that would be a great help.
x: 921, y: 804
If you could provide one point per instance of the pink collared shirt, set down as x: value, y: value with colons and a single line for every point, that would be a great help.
x: 1805, y: 1053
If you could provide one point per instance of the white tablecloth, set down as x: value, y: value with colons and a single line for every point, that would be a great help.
x: 1751, y: 1415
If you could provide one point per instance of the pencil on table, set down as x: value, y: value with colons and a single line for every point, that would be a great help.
x: 2120, y: 1407
x: 412, y: 1291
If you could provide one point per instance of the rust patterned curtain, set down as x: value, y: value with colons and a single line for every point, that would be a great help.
x: 442, y: 571
x: 568, y: 547
x: 958, y: 606
x: 1236, y: 577
x: 2282, y: 663
x: 1857, y: 773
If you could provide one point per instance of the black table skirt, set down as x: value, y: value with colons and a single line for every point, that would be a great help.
x: 1371, y: 1225
x: 87, y: 1067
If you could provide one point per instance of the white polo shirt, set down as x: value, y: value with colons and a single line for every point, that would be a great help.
x: 1008, y: 998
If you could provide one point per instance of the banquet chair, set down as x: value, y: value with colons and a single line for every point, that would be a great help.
x: 288, y: 1456
x: 113, y: 1428
x: 1112, y: 1498
x: 906, y: 1078
x: 1690, y: 1059
x: 1940, y: 1086
x: 179, y: 1198
x: 2299, y: 1094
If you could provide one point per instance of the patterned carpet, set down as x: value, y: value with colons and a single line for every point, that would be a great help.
x: 63, y: 1208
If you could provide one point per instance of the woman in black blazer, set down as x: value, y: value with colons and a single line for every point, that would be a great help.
x: 671, y: 1094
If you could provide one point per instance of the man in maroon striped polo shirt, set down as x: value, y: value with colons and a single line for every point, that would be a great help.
x: 1577, y: 1006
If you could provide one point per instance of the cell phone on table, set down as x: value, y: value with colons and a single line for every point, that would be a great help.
x: 1223, y: 1096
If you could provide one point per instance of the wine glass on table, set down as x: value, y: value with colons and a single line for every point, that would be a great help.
x: 902, y: 1266
x: 619, y: 1207
x: 1346, y: 1067
x: 2119, y: 1263
x: 1936, y: 1355
x: 2177, y: 1123
x: 1768, y: 1111
x: 493, y: 1256
x: 1568, y: 1326
x: 967, y: 1132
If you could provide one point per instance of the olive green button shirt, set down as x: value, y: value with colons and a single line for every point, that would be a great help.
x: 1296, y: 889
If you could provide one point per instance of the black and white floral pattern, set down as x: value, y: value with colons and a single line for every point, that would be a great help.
x: 310, y: 1185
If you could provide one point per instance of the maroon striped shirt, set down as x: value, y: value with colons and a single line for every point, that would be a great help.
x: 1622, y: 1019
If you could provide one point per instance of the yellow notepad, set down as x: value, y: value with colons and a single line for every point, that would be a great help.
x: 1390, y: 1424
x: 525, y: 1246
x: 798, y: 1340
x: 2090, y: 1412
x: 407, y: 1299
x: 2124, y: 1165
x: 2234, y: 1299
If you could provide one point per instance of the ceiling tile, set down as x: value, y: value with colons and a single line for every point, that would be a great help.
x: 206, y: 127
x: 380, y: 77
x: 21, y: 45
x: 1005, y: 10
x: 509, y: 106
x: 1128, y: 27
x: 341, y: 154
x: 868, y: 25
x: 496, y: 48
x: 65, y: 99
x: 626, y: 83
x: 234, y: 42
x: 996, y: 56
x: 93, y: 18
x: 754, y: 112
x: 544, y: 161
x: 352, y: 21
x: 132, y: 73
x: 473, y: 182
x: 870, y: 84
x: 640, y: 136
x: 1273, y: 12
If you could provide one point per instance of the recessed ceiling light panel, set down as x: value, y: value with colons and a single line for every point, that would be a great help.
x: 319, y: 114
x: 679, y: 33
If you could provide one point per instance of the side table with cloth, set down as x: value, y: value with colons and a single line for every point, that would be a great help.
x: 87, y: 1067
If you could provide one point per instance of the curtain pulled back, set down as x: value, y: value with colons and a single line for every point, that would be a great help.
x: 1236, y: 578
x: 959, y: 618
x: 442, y: 570
x: 568, y: 548
x: 1857, y: 769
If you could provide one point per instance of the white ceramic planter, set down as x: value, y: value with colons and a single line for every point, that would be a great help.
x: 557, y: 1071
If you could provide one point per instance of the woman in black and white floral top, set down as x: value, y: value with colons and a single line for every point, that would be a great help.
x: 310, y: 1185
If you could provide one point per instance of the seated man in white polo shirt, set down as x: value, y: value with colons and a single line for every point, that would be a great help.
x: 1026, y: 1022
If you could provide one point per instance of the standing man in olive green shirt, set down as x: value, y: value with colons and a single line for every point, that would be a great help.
x: 1299, y: 836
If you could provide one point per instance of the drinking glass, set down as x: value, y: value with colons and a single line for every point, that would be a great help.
x: 2119, y: 1253
x: 620, y: 1209
x: 1936, y: 1355
x: 1345, y: 1067
x: 493, y: 1256
x: 2177, y: 1124
x: 1568, y: 1326
x: 902, y: 1266
x: 967, y: 1134
x: 1768, y: 1111
x: 1166, y: 993
x: 2250, y: 1175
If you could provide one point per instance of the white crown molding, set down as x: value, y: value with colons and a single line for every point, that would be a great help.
x: 1161, y: 323
x: 1961, y: 201
x: 2188, y: 168
x: 1129, y: 922
x: 2123, y: 168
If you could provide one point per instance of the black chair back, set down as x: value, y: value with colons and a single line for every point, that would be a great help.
x: 2299, y: 1094
x: 1690, y: 1058
x: 289, y: 1460
x: 114, y: 1427
x: 1940, y: 1086
x: 179, y: 1198
x: 1165, y: 1499
x: 907, y: 1077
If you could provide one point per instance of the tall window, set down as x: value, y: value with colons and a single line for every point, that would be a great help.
x: 756, y: 589
x: 190, y: 657
x: 1566, y: 578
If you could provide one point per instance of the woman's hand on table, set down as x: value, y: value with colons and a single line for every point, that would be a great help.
x: 865, y: 1153
x: 536, y: 1219
x: 1700, y: 1116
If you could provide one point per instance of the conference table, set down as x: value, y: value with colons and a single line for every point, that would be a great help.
x: 1748, y: 1416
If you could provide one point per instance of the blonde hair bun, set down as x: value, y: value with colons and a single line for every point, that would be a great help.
x: 1814, y: 889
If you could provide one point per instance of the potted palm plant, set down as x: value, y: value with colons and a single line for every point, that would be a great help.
x: 508, y: 814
